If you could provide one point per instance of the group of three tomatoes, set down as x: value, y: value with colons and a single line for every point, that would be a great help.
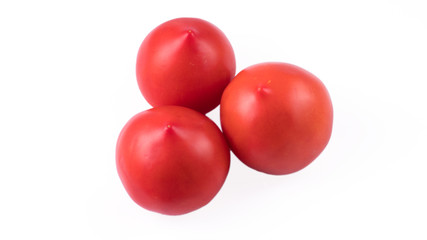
x: 172, y: 159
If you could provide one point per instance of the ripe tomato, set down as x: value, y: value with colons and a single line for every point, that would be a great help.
x: 186, y: 62
x: 277, y: 117
x: 172, y: 159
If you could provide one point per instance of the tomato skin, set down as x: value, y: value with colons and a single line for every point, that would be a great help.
x: 186, y: 62
x: 277, y: 117
x: 172, y: 160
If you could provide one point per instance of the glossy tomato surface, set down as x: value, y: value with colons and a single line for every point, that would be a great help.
x: 186, y: 62
x: 276, y: 117
x: 172, y: 160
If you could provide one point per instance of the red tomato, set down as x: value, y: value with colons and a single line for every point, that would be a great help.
x: 277, y: 117
x: 186, y: 62
x: 172, y: 159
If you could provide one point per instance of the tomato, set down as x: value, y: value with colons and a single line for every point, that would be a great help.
x: 186, y: 62
x: 171, y: 159
x: 277, y: 117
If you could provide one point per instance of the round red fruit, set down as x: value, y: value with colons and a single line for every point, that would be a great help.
x: 277, y: 117
x: 172, y: 160
x: 186, y: 62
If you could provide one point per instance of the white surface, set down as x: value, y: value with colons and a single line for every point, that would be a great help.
x: 67, y: 86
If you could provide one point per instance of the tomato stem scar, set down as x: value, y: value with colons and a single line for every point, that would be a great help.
x: 168, y: 128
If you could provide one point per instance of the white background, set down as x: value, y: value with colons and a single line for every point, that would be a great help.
x: 67, y: 86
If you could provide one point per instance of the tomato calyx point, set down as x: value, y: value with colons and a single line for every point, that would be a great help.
x: 262, y: 89
x: 168, y: 127
x: 190, y: 34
